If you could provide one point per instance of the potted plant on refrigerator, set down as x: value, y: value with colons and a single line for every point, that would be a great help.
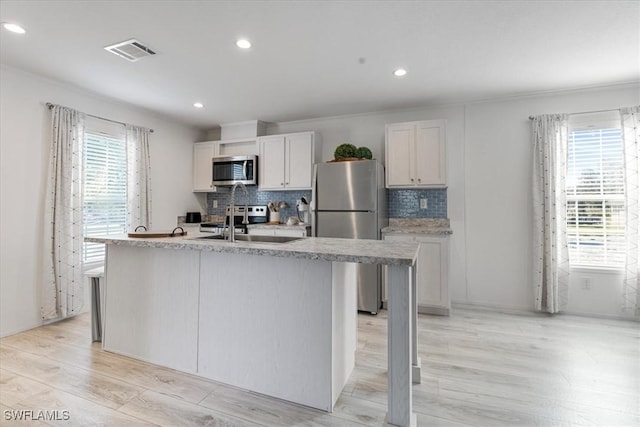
x: 348, y: 152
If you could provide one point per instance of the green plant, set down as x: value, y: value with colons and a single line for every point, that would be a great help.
x: 364, y: 153
x: 344, y: 150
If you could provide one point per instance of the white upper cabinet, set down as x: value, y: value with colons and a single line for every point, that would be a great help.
x: 203, y: 152
x: 271, y: 162
x: 286, y: 161
x: 415, y: 154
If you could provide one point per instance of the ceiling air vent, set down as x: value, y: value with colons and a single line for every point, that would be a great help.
x: 131, y: 50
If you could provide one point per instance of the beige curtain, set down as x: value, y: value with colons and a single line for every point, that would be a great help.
x: 549, y: 135
x: 62, y: 287
x: 631, y: 139
x: 139, y: 177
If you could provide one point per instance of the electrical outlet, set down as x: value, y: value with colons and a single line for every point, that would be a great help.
x: 423, y: 203
x: 215, y: 204
x: 586, y: 283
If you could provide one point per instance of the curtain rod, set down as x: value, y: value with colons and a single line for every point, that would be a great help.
x: 50, y: 106
x: 585, y: 112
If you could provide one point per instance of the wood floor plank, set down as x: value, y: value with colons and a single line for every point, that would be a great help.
x: 264, y: 410
x: 12, y: 417
x: 91, y: 385
x: 479, y: 368
x: 134, y: 372
x: 168, y: 411
x: 22, y: 393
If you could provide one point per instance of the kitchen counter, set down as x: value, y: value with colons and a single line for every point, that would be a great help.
x: 213, y: 308
x: 432, y: 226
x: 313, y: 248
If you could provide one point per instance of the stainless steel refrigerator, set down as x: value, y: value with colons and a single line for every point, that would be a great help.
x: 350, y: 201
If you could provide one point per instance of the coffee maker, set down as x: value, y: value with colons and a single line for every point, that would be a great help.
x: 303, y: 211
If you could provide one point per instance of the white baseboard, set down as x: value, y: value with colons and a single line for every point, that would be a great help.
x: 491, y: 307
x: 524, y: 311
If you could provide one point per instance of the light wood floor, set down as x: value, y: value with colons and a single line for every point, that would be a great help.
x: 479, y: 368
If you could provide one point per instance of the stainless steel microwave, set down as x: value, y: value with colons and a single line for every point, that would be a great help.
x: 229, y: 170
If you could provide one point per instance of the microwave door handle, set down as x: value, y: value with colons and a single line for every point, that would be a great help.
x: 244, y: 169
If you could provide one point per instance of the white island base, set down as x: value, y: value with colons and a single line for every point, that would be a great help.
x: 284, y: 327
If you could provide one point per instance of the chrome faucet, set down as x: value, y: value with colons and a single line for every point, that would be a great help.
x: 232, y: 206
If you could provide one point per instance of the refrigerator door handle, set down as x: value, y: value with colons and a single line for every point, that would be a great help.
x: 314, y: 201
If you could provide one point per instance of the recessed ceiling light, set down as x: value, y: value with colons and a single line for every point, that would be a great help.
x: 14, y: 28
x: 198, y: 105
x: 400, y: 72
x: 243, y: 44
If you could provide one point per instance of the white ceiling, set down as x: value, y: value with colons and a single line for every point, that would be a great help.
x: 306, y: 56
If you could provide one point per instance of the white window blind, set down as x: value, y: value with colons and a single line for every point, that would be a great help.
x: 104, y: 192
x: 595, y: 198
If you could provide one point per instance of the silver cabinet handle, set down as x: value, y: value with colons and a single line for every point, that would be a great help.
x: 412, y: 180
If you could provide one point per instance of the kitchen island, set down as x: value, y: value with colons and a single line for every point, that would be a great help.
x: 277, y: 319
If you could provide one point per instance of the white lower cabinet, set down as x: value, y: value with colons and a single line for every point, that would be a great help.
x: 431, y: 271
x: 261, y: 231
x: 279, y: 231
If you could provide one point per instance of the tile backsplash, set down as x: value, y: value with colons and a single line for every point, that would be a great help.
x: 257, y: 197
x: 401, y: 203
x: 406, y: 203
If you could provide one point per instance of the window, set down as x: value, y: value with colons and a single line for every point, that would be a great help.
x: 104, y: 191
x: 595, y: 195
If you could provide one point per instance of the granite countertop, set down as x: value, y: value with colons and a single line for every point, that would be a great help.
x: 433, y: 226
x: 319, y: 248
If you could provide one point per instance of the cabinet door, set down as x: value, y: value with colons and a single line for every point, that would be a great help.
x: 271, y: 163
x: 299, y: 161
x: 432, y: 286
x: 399, y: 153
x: 203, y: 152
x: 430, y: 153
x: 432, y: 274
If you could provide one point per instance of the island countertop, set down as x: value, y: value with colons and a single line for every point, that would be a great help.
x: 297, y: 299
x: 316, y: 248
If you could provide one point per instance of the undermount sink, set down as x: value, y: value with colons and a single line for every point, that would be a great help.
x: 253, y: 238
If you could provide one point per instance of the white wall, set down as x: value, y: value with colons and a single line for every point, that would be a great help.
x: 499, y: 207
x: 489, y: 160
x: 24, y: 151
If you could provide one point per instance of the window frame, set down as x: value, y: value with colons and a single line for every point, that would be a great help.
x: 102, y: 129
x: 586, y: 122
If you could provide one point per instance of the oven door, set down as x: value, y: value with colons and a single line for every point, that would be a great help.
x: 229, y: 170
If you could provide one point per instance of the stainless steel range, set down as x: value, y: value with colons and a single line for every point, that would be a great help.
x: 256, y: 214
